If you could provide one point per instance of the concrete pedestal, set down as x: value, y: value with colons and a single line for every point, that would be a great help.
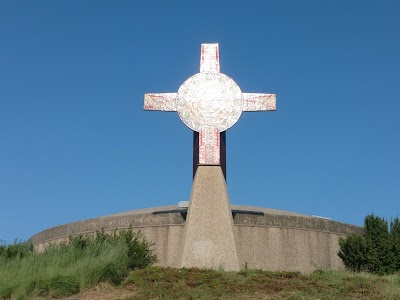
x: 209, y: 240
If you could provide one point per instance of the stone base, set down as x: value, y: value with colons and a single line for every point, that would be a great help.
x: 209, y: 238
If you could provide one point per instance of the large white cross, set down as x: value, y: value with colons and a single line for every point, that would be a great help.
x: 209, y: 102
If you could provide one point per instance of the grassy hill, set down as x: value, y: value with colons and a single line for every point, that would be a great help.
x: 116, y: 266
x: 167, y: 283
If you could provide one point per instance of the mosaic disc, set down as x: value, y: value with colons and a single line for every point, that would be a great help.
x: 209, y: 99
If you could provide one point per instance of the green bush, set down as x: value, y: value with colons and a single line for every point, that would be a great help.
x: 139, y: 250
x: 353, y: 252
x: 18, y: 249
x: 377, y: 250
x: 140, y: 254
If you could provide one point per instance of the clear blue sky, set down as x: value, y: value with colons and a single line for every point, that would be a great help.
x: 75, y: 142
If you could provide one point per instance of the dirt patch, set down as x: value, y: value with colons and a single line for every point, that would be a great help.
x: 104, y: 291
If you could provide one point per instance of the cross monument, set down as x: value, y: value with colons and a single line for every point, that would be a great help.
x: 209, y: 103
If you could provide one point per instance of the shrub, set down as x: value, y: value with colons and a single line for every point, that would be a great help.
x: 139, y: 250
x: 140, y: 254
x: 377, y: 250
x: 18, y: 249
x: 353, y: 252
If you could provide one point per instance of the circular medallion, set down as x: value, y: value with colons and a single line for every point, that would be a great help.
x: 209, y: 99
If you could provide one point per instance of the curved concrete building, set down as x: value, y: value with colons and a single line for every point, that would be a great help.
x: 267, y: 239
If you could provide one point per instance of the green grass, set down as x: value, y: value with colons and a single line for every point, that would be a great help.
x: 61, y: 272
x: 68, y: 269
x: 114, y: 267
x: 161, y: 283
x: 168, y: 283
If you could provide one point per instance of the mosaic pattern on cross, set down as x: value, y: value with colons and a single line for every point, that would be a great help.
x: 209, y: 102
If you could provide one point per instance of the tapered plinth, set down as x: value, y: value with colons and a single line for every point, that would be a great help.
x: 209, y: 240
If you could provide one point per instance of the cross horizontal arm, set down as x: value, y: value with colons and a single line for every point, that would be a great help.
x: 161, y: 101
x: 259, y: 102
x: 209, y: 59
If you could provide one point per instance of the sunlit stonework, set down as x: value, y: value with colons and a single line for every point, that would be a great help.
x: 209, y: 102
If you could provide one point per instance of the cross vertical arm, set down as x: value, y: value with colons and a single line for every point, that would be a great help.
x: 222, y: 151
x: 209, y: 59
x: 209, y: 146
x: 209, y: 137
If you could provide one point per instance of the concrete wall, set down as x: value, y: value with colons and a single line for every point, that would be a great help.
x: 270, y: 242
x: 288, y: 249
